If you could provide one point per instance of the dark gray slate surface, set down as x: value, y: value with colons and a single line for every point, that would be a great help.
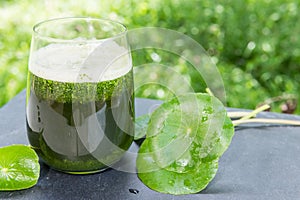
x: 263, y: 162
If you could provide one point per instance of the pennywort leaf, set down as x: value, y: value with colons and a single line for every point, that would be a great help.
x: 185, y: 138
x: 19, y: 167
x: 166, y: 181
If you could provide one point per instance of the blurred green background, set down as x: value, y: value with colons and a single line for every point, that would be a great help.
x: 254, y: 43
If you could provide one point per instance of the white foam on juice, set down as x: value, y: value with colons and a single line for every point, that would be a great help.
x: 87, y: 62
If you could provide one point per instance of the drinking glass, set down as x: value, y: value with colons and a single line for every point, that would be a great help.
x: 80, y: 101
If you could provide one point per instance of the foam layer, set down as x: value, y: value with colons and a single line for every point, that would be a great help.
x: 89, y: 62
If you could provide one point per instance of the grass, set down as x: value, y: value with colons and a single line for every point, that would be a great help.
x: 254, y: 43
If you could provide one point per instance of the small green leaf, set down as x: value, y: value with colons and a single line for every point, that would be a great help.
x: 141, y: 124
x: 19, y: 167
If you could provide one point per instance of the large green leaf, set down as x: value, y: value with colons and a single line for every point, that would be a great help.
x: 186, y: 128
x: 165, y: 181
x: 19, y: 167
x: 184, y: 135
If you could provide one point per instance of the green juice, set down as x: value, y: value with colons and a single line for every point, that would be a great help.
x: 80, y: 127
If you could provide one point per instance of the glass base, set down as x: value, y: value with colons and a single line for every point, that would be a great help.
x: 80, y: 172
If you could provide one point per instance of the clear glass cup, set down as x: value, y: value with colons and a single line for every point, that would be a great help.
x: 80, y: 101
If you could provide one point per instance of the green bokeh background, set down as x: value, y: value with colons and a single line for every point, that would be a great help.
x: 254, y: 43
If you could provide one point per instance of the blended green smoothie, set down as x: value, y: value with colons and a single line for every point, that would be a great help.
x: 80, y: 127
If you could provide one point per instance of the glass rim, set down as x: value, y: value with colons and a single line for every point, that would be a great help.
x: 114, y: 36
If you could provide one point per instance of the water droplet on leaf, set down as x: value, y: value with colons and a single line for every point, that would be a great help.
x: 171, y: 182
x: 204, y: 118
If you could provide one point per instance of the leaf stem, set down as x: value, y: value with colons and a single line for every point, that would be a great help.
x: 246, y: 118
x: 254, y: 112
x: 234, y: 114
x: 266, y: 120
